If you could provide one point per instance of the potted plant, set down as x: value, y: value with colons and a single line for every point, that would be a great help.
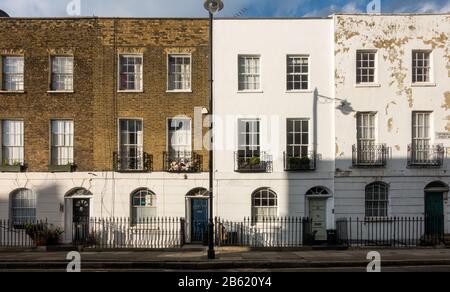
x: 43, y: 234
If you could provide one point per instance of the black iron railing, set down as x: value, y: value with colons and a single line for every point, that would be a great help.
x: 391, y: 232
x: 28, y: 234
x: 304, y: 163
x: 140, y: 163
x: 265, y: 233
x: 182, y: 161
x: 119, y: 233
x: 370, y: 155
x: 425, y: 155
x: 252, y: 164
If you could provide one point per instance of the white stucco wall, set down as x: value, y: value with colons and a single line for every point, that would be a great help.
x: 273, y: 40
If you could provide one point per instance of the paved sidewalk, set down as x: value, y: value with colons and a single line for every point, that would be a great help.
x: 226, y: 259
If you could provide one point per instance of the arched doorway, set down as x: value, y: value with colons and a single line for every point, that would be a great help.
x: 318, y: 210
x: 77, y: 212
x: 435, y: 193
x: 197, y: 215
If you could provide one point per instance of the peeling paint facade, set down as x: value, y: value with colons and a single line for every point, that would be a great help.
x: 393, y: 97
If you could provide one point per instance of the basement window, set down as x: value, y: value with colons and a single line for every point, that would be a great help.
x: 12, y: 73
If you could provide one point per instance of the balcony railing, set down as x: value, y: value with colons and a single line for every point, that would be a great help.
x: 181, y: 161
x: 425, y: 155
x: 304, y: 163
x: 140, y: 163
x: 252, y: 164
x: 370, y: 155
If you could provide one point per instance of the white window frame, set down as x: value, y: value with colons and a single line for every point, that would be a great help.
x: 69, y: 160
x: 150, y: 199
x: 21, y: 148
x: 414, y: 67
x: 124, y: 161
x: 269, y: 211
x: 424, y: 138
x: 308, y: 74
x: 258, y: 74
x: 358, y: 68
x: 2, y: 73
x: 380, y: 211
x: 65, y: 75
x: 168, y: 85
x: 251, y: 135
x: 29, y: 204
x: 301, y: 133
x: 119, y: 72
x: 366, y: 131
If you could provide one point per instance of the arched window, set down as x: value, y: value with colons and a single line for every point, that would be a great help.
x: 23, y: 206
x: 143, y: 205
x: 264, y: 204
x: 377, y: 198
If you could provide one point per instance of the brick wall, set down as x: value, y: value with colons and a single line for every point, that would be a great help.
x: 95, y: 104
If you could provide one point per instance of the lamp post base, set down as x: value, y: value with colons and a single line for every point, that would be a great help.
x: 211, y: 254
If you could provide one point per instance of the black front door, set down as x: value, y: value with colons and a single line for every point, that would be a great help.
x: 81, y: 214
x: 199, y: 219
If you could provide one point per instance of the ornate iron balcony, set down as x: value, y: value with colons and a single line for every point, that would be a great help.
x: 140, y: 163
x: 425, y: 155
x: 252, y: 164
x: 370, y: 155
x: 305, y: 163
x: 182, y: 161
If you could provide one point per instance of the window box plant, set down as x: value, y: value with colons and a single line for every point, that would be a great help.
x: 299, y: 163
x: 62, y: 168
x: 14, y: 167
x: 250, y: 164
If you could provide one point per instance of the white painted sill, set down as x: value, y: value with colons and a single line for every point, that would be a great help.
x: 299, y: 91
x: 425, y: 84
x: 12, y: 92
x: 367, y: 85
x: 130, y: 91
x: 179, y: 91
x: 250, y: 91
x: 60, y: 91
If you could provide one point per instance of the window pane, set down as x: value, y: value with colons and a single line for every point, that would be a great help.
x: 131, y: 72
x: 179, y: 75
x: 13, y: 74
x: 23, y: 207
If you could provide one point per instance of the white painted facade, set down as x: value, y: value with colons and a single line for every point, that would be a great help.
x: 394, y: 97
x: 273, y: 40
x: 330, y: 103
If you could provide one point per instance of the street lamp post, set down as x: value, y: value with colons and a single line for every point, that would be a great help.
x: 213, y: 6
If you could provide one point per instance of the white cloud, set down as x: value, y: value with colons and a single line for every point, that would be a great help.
x: 351, y: 7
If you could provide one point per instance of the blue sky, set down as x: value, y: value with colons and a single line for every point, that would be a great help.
x: 194, y: 8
